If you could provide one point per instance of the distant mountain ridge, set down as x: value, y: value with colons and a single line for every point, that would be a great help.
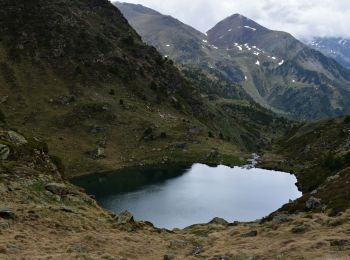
x: 335, y: 47
x: 274, y: 68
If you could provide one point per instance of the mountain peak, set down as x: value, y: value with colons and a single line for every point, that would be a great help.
x: 238, y: 16
x: 238, y: 22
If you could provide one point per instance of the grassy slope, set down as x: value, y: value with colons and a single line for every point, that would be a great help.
x: 318, y: 153
x: 67, y: 224
x: 80, y: 77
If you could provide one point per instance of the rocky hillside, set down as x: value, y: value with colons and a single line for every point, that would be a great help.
x: 76, y: 74
x: 183, y: 44
x: 334, y: 47
x: 319, y: 154
x: 274, y: 68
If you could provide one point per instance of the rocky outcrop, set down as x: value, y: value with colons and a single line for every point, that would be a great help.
x: 6, y: 213
x: 16, y: 138
x: 124, y: 218
x: 313, y: 203
x: 4, y: 152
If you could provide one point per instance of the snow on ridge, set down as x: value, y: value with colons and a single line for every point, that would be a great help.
x: 248, y: 27
x: 257, y: 62
x: 342, y: 42
x: 281, y: 63
x: 204, y: 41
x: 168, y: 45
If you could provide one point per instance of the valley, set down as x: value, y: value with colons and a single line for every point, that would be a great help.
x: 84, y: 94
x: 275, y: 69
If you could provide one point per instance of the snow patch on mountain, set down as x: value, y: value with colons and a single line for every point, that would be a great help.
x: 248, y: 27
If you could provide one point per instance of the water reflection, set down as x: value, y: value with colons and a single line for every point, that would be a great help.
x: 179, y: 197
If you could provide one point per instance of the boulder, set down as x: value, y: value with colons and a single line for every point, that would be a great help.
x: 252, y: 233
x: 178, y: 244
x: 4, y: 152
x: 6, y: 213
x: 313, y: 203
x: 100, y: 152
x: 281, y: 218
x: 124, y: 218
x: 58, y: 189
x: 299, y: 229
x: 219, y: 221
x: 16, y: 138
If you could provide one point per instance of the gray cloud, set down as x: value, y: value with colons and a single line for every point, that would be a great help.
x: 304, y: 19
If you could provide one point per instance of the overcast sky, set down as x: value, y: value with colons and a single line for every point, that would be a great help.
x: 302, y: 18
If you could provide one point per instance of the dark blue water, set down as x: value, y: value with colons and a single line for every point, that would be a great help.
x: 176, y: 198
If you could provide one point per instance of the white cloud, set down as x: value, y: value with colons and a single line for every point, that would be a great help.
x: 303, y: 19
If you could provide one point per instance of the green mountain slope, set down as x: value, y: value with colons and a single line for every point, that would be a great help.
x: 319, y: 154
x: 76, y: 74
x: 183, y: 44
x: 274, y: 68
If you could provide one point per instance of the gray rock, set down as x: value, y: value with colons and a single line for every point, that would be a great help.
x: 58, y: 189
x: 313, y: 203
x: 100, y: 152
x: 4, y: 152
x: 280, y: 218
x: 196, y: 251
x: 219, y: 221
x: 6, y: 213
x: 124, y: 218
x: 178, y: 243
x: 299, y: 229
x: 16, y: 138
x: 252, y: 233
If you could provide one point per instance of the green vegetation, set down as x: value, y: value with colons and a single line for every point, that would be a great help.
x: 91, y: 94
